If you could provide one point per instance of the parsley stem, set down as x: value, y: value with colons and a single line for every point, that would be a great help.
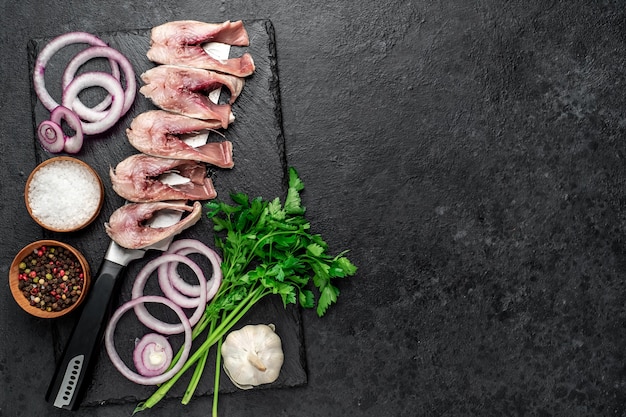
x: 195, y: 378
x: 216, y: 381
x: 239, y: 311
x: 197, y: 374
x: 196, y: 331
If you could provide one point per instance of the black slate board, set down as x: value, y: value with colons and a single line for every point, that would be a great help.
x: 260, y: 170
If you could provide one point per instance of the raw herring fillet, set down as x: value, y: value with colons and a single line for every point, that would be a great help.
x: 160, y: 133
x: 128, y: 226
x: 181, y: 43
x: 137, y: 179
x: 185, y: 90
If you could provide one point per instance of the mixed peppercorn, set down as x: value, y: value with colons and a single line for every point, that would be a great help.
x: 51, y: 278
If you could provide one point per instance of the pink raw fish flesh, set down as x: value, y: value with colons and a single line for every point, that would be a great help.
x: 180, y: 43
x: 128, y: 225
x: 185, y: 90
x: 138, y: 178
x: 159, y: 133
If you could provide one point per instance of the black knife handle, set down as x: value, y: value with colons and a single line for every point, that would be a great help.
x: 71, y: 376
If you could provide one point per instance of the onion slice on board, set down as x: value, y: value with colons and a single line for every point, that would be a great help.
x: 75, y: 142
x: 115, y: 357
x: 51, y: 136
x: 48, y: 51
x: 152, y: 355
x: 103, y: 115
x: 140, y: 282
x: 99, y: 111
x: 187, y: 247
x: 100, y: 79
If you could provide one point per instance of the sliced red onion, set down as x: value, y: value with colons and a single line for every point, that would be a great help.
x: 187, y: 247
x: 185, y: 302
x: 48, y: 51
x: 97, y: 79
x: 74, y: 143
x: 98, y: 112
x: 140, y: 282
x: 119, y: 363
x: 152, y: 355
x: 51, y: 136
x: 69, y: 74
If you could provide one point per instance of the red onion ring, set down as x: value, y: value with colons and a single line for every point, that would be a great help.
x: 146, y: 348
x: 50, y: 136
x: 186, y: 247
x: 48, y: 51
x: 140, y: 282
x: 185, y: 302
x: 74, y: 143
x: 70, y: 72
x: 115, y: 357
x: 100, y: 79
x: 98, y: 112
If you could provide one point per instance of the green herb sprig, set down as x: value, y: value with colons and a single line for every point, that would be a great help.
x: 267, y: 249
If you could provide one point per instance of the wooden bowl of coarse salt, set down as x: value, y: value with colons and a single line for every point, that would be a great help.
x: 64, y: 194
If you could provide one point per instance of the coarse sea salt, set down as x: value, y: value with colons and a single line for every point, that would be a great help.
x: 64, y: 195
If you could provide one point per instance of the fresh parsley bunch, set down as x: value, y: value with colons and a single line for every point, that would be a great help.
x: 269, y: 245
x: 267, y: 249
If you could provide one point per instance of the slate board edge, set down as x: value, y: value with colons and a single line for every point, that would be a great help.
x: 281, y: 145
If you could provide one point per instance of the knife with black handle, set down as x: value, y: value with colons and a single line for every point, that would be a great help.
x: 72, y: 374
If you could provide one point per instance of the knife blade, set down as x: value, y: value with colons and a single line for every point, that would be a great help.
x: 72, y: 373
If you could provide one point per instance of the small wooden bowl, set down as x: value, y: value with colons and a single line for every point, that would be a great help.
x: 23, y: 301
x: 57, y: 200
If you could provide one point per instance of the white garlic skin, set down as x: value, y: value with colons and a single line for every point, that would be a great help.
x: 252, y: 355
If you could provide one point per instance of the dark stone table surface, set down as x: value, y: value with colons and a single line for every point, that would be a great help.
x: 471, y: 156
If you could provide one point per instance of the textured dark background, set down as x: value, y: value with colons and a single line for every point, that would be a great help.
x: 470, y: 153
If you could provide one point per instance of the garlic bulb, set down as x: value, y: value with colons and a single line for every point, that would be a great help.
x: 252, y: 355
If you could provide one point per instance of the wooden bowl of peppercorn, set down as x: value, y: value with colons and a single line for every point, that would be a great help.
x: 49, y: 279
